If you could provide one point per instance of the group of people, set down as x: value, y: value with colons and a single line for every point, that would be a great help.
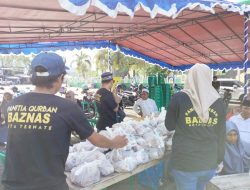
x: 40, y: 123
x: 237, y: 155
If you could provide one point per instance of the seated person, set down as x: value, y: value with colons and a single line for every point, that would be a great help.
x: 234, y: 153
x: 242, y: 121
x: 145, y: 106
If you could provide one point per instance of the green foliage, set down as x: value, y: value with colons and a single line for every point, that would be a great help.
x: 17, y: 62
x: 83, y: 64
x: 102, y: 60
x: 154, y: 69
x: 123, y: 65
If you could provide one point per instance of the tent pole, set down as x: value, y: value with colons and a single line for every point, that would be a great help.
x: 246, y: 18
x: 109, y: 60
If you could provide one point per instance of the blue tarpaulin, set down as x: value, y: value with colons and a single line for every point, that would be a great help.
x: 36, y: 48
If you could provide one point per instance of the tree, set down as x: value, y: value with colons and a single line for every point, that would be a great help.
x: 122, y: 65
x: 118, y: 61
x: 19, y: 63
x: 83, y: 64
x: 101, y: 60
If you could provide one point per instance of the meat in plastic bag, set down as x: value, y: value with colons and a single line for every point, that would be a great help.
x: 161, y: 129
x: 89, y: 156
x: 83, y: 146
x: 106, y: 168
x: 156, y: 153
x: 85, y: 174
x: 142, y: 157
x: 153, y: 140
x: 71, y: 161
x: 126, y: 165
x: 140, y: 141
x: 119, y: 154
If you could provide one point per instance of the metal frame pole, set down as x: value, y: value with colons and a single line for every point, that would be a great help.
x: 246, y: 18
x: 109, y: 60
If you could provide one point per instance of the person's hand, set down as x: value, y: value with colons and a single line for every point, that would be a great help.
x: 117, y: 98
x: 114, y: 90
x: 119, y: 142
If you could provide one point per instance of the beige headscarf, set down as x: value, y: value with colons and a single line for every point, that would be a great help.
x: 199, y: 88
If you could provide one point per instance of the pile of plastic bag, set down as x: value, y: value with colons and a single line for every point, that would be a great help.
x: 146, y: 142
x: 87, y: 164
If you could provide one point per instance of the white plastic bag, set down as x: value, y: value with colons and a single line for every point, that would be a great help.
x: 161, y: 117
x: 106, y: 168
x: 129, y: 129
x: 71, y: 149
x: 142, y: 157
x: 161, y: 129
x: 71, y: 161
x: 114, y: 155
x: 153, y: 122
x: 119, y: 154
x: 126, y: 165
x: 141, y: 142
x: 89, y: 156
x: 85, y: 174
x: 140, y: 130
x: 83, y: 146
x: 156, y: 153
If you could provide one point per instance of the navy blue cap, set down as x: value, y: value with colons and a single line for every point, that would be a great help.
x: 107, y: 76
x: 52, y: 62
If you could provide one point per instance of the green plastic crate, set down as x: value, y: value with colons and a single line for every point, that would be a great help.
x: 2, y: 158
x: 158, y: 96
x: 152, y: 80
x: 166, y: 94
x: 161, y: 79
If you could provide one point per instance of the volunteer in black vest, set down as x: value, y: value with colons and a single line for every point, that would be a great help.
x: 40, y: 124
x: 197, y: 114
x: 107, y: 103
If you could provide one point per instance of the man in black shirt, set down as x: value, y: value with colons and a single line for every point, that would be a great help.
x: 216, y: 84
x: 107, y: 103
x: 40, y: 125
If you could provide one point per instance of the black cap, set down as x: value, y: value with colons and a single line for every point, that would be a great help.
x: 246, y: 103
x: 107, y: 76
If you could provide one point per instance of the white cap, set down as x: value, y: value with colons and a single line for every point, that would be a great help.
x: 145, y: 90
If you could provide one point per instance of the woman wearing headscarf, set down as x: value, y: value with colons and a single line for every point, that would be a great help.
x: 197, y: 114
x: 235, y: 160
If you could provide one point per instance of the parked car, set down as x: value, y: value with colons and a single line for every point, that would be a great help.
x: 236, y: 87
